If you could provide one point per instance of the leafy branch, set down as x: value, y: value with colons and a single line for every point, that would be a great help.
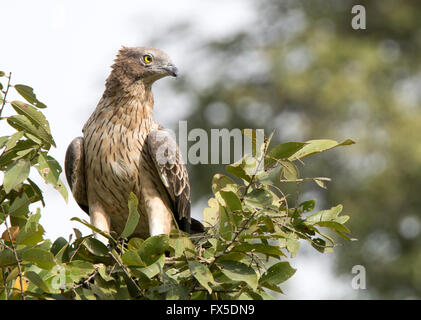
x: 251, y: 229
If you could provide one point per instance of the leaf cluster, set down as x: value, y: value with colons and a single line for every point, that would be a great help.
x: 251, y: 229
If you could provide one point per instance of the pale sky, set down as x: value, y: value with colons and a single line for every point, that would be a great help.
x: 63, y: 49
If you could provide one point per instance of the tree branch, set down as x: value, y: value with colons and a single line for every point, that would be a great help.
x: 5, y: 94
x: 17, y: 260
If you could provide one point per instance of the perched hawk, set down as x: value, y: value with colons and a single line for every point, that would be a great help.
x: 121, y: 151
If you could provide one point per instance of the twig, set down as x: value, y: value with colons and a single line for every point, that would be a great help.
x: 283, y: 195
x: 237, y: 233
x: 87, y: 280
x: 126, y: 273
x: 5, y: 94
x: 297, y: 194
x: 306, y: 179
x: 306, y: 237
x: 76, y: 250
x: 4, y: 283
x: 257, y: 168
x: 213, y: 290
x: 17, y: 260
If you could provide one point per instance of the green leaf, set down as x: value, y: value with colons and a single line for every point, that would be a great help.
x: 95, y: 247
x: 225, y: 226
x: 232, y: 256
x: 308, y: 206
x: 237, y: 170
x: 270, y: 176
x: 16, y: 174
x: 133, y: 218
x: 258, y: 247
x: 58, y: 245
x: 238, y: 271
x: 258, y: 198
x: 22, y: 123
x: 102, y: 270
x: 316, y: 146
x: 20, y: 150
x: 4, y: 140
x: 93, y: 228
x: 230, y: 200
x: 42, y: 258
x: 2, y: 210
x: 36, y: 280
x: 36, y: 192
x: 182, y: 245
x: 324, y: 215
x: 143, y: 279
x: 272, y: 287
x: 341, y: 219
x: 154, y: 268
x: 78, y: 234
x: 283, y: 151
x: 202, y: 274
x: 19, y: 205
x: 154, y: 247
x: 251, y: 165
x: 50, y: 170
x: 290, y: 170
x: 35, y: 116
x: 211, y: 214
x: 320, y: 245
x: 78, y: 269
x: 198, y: 295
x: 134, y: 243
x: 221, y: 181
x: 293, y: 246
x: 175, y: 291
x: 326, y: 237
x: 13, y: 139
x: 341, y: 234
x: 7, y: 258
x: 320, y: 183
x: 32, y: 232
x: 13, y: 274
x: 278, y: 273
x: 132, y: 259
x: 28, y: 94
x: 334, y: 226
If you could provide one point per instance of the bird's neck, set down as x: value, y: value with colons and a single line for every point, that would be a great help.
x: 132, y: 109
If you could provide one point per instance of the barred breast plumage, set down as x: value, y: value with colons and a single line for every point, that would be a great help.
x: 117, y: 161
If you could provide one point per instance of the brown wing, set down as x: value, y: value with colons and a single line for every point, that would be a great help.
x: 168, y: 161
x: 75, y: 172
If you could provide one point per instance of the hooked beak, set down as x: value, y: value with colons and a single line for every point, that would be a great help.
x: 171, y: 69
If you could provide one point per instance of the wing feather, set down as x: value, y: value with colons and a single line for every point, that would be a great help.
x: 74, y: 167
x: 171, y: 169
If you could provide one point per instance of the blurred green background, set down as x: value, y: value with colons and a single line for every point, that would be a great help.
x: 301, y: 70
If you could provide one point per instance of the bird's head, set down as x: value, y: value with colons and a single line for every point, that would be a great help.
x: 140, y: 64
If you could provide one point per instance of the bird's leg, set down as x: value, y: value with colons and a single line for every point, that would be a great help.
x: 159, y: 217
x: 100, y: 220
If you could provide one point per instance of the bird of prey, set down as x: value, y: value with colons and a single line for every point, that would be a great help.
x: 121, y: 151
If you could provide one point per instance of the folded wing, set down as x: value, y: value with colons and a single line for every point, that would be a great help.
x: 75, y: 172
x: 172, y: 171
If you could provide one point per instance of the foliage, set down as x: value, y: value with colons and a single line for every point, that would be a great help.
x: 297, y: 67
x: 249, y: 228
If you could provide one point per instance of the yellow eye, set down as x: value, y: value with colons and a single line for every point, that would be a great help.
x: 147, y: 58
